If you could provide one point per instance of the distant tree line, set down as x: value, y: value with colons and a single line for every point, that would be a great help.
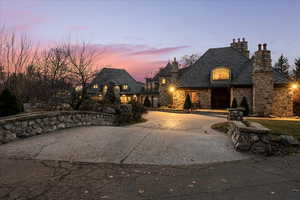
x: 282, y: 65
x: 55, y: 75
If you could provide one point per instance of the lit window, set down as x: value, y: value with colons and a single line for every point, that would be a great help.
x: 123, y: 99
x: 95, y: 86
x: 221, y: 74
x: 163, y: 81
x: 125, y: 87
x: 78, y: 88
x: 105, y: 89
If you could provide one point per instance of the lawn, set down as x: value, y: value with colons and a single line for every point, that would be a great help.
x: 277, y: 126
x: 281, y: 126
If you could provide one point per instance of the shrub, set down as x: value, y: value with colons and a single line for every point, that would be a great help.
x: 187, y: 103
x: 9, y: 104
x: 129, y: 113
x: 110, y: 96
x: 244, y: 104
x: 147, y: 102
x: 234, y: 103
x: 137, y: 110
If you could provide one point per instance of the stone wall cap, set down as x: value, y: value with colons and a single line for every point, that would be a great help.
x: 41, y: 115
x: 253, y: 128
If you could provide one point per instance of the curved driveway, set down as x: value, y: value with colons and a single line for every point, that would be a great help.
x: 166, y: 138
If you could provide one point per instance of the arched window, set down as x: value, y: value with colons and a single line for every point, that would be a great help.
x: 221, y: 73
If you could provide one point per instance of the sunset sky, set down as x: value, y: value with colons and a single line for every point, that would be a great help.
x: 142, y: 36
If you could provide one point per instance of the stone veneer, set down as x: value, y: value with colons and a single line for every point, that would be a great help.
x: 262, y: 93
x: 239, y: 93
x: 165, y: 98
x: 27, y: 125
x: 178, y: 99
x: 205, y: 98
x: 282, y: 102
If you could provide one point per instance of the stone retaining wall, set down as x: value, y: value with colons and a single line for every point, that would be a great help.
x: 27, y: 125
x: 258, y: 139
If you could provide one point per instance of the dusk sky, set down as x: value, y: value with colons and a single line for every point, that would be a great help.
x: 142, y: 36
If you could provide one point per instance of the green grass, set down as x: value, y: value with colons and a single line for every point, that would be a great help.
x: 281, y: 126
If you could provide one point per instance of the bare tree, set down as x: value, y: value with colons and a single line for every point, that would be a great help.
x: 189, y: 60
x: 81, y: 60
x: 16, y: 53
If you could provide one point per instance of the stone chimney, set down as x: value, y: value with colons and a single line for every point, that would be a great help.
x: 241, y: 45
x: 174, y: 70
x: 263, y: 84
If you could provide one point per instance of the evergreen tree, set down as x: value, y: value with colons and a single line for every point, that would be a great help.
x: 244, y: 104
x: 282, y: 65
x: 234, y: 103
x: 9, y: 104
x: 187, y: 103
x: 110, y: 96
x: 147, y: 102
x: 296, y: 71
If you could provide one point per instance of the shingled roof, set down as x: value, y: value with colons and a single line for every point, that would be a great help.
x: 117, y: 77
x: 198, y: 74
x: 165, y: 71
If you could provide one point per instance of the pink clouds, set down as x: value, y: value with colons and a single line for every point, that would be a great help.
x: 139, y: 60
x: 159, y: 51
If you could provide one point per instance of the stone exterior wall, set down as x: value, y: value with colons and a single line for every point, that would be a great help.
x: 202, y: 96
x: 165, y: 97
x: 239, y: 93
x: 205, y: 98
x: 178, y: 99
x: 29, y: 125
x: 282, y: 102
x: 262, y: 93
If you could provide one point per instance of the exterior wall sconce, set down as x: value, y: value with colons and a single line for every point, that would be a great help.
x: 172, y: 89
x: 294, y: 86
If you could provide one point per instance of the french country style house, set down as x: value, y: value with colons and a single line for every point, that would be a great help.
x: 221, y: 75
x: 125, y: 86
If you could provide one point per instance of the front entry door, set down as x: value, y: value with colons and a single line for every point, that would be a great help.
x: 220, y: 98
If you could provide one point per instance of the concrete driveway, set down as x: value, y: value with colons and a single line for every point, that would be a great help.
x: 166, y: 138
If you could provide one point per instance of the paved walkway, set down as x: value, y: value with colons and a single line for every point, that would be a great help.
x: 271, y: 178
x: 166, y: 138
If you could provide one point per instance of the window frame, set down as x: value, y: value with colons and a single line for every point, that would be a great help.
x: 218, y: 68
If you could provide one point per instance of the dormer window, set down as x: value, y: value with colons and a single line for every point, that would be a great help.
x: 221, y: 73
x: 125, y: 87
x: 163, y: 81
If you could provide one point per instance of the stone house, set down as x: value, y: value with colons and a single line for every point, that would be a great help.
x: 125, y: 86
x: 221, y: 75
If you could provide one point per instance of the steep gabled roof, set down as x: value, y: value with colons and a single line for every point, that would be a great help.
x: 198, y: 74
x: 165, y: 71
x: 117, y: 77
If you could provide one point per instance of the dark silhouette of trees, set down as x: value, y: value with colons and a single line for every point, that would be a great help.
x: 187, y: 103
x: 234, y: 103
x: 282, y: 65
x: 244, y: 104
x: 296, y: 71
